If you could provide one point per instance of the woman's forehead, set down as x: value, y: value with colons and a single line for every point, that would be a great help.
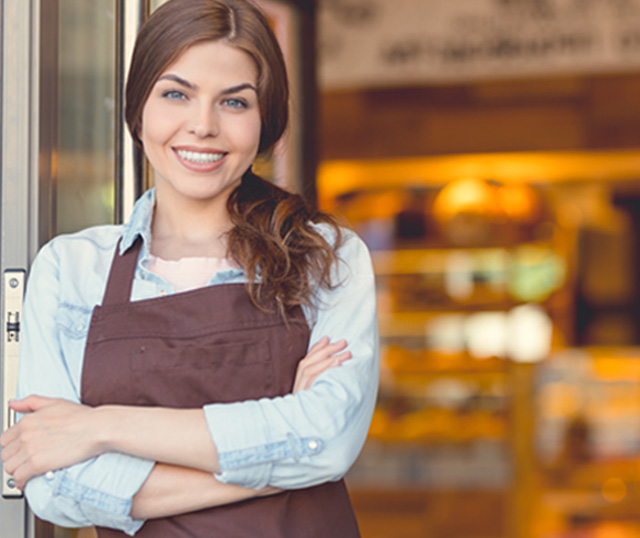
x: 215, y: 58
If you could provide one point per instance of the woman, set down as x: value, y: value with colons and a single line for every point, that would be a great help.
x: 162, y: 385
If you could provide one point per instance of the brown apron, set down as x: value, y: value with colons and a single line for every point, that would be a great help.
x: 189, y: 349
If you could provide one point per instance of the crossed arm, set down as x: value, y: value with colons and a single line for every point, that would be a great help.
x: 57, y: 433
x: 335, y: 411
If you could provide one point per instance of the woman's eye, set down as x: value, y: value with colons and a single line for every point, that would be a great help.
x: 174, y: 94
x: 236, y: 103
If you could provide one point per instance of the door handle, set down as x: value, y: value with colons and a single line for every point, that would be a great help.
x: 13, y: 293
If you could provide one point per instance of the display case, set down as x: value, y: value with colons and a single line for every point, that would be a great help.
x: 487, y: 406
x: 587, y: 408
x: 474, y: 285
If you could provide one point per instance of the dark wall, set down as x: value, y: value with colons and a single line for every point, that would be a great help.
x: 562, y: 113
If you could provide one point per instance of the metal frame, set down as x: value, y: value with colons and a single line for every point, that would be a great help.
x: 18, y: 179
x: 130, y: 163
x: 29, y: 143
x: 301, y: 138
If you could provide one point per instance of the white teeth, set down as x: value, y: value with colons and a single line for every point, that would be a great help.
x: 198, y: 157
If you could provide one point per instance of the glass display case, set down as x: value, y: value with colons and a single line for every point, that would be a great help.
x: 477, y: 285
x: 587, y: 406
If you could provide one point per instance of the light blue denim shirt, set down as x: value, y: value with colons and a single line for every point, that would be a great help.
x: 288, y: 442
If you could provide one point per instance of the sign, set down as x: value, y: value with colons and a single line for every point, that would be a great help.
x: 373, y: 43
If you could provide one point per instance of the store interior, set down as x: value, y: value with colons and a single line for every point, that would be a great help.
x: 503, y: 218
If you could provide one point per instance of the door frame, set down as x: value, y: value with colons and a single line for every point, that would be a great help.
x: 28, y: 152
x: 19, y: 154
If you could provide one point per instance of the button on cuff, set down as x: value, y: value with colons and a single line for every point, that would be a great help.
x: 293, y: 448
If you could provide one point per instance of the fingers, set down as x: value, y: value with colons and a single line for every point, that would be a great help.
x: 51, y: 436
x: 31, y: 403
x: 20, y: 472
x: 312, y: 372
x: 17, y: 461
x: 318, y: 345
x: 322, y: 356
x: 323, y: 349
x: 7, y: 437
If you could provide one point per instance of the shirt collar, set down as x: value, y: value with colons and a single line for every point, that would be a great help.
x: 140, y: 222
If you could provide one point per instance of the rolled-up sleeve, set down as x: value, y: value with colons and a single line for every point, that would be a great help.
x: 313, y: 436
x: 98, y: 491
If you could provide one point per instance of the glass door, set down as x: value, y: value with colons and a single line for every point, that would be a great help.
x: 83, y: 135
x: 66, y: 162
x: 18, y: 218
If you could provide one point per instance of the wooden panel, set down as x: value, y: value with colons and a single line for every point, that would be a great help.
x: 562, y: 113
x: 532, y: 128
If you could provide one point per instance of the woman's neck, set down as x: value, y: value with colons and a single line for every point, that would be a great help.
x: 187, y: 228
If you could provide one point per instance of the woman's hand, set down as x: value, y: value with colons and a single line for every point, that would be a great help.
x: 322, y: 356
x: 54, y: 433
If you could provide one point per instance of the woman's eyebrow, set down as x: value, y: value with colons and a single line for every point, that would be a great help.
x: 179, y: 80
x: 239, y: 88
x: 190, y: 85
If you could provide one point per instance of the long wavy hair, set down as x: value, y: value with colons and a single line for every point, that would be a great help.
x: 273, y: 237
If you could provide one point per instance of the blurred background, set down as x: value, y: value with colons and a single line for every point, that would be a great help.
x: 488, y: 152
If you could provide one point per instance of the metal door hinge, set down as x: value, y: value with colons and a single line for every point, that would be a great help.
x: 12, y: 292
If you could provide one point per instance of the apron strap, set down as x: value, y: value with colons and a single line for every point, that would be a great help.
x: 123, y: 270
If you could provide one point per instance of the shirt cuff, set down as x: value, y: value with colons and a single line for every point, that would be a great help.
x: 112, y: 497
x: 65, y: 497
x: 247, y: 449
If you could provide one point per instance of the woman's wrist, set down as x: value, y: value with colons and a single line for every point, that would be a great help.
x: 149, y: 432
x: 107, y: 425
x: 171, y: 490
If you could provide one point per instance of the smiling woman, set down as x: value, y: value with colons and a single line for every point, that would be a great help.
x: 210, y: 368
x: 201, y: 131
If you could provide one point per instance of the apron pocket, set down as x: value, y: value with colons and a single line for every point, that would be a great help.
x: 196, y: 372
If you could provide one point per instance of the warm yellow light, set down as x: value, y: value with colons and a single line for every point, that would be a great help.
x: 338, y: 177
x: 467, y: 195
x: 614, y: 490
x: 519, y: 202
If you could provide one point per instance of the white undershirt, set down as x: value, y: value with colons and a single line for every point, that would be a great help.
x: 188, y: 273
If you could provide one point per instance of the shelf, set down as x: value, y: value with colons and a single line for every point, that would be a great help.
x: 436, y: 426
x: 424, y: 261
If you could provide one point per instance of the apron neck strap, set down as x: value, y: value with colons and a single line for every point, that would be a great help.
x: 123, y: 270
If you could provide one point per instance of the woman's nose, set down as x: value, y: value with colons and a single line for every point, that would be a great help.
x: 204, y: 122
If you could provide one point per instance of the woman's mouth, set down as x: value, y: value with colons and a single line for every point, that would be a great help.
x: 199, y: 157
x: 200, y: 161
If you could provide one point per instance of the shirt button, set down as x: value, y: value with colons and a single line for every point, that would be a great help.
x: 163, y: 293
x: 49, y: 475
x: 80, y: 327
x: 312, y: 445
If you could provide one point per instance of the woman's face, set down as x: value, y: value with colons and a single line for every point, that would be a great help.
x: 201, y: 123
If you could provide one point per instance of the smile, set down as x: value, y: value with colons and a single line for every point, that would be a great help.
x: 198, y: 157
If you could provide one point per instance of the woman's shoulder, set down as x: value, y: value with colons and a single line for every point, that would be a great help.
x: 82, y: 247
x: 340, y: 236
x: 102, y: 238
x: 76, y: 265
x: 353, y: 254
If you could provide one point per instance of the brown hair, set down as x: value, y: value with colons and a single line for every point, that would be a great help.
x: 273, y: 237
x: 180, y: 24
